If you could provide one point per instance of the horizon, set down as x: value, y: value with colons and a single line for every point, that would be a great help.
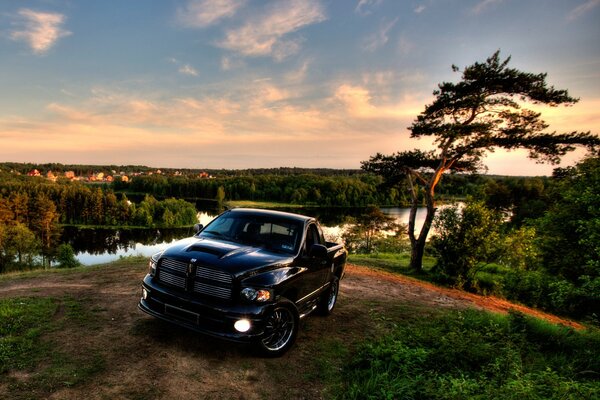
x: 245, y: 84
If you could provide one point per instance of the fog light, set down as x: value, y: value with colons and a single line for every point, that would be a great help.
x: 242, y: 325
x: 144, y: 294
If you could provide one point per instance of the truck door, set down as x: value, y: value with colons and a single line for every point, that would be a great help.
x: 317, y: 268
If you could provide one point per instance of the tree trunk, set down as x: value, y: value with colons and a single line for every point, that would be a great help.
x: 418, y: 244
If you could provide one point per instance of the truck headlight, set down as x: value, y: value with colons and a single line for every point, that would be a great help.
x: 260, y: 295
x: 153, y: 263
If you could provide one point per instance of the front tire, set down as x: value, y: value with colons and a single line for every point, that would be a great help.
x: 280, y: 332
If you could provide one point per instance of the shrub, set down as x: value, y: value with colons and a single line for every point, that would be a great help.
x: 65, y: 256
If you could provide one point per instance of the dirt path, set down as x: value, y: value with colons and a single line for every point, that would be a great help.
x: 145, y: 358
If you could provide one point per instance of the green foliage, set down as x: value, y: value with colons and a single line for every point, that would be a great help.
x: 570, y: 229
x: 464, y: 238
x: 373, y: 227
x: 474, y: 355
x: 520, y: 249
x: 18, y: 247
x: 65, y: 256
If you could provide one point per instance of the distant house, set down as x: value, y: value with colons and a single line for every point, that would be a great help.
x: 50, y: 176
x: 109, y: 178
x: 203, y: 175
x: 100, y: 176
x: 124, y: 178
x: 34, y: 172
x: 70, y: 174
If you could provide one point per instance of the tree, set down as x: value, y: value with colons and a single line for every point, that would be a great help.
x: 367, y: 228
x: 65, y: 256
x: 482, y: 112
x: 464, y: 238
x: 570, y: 229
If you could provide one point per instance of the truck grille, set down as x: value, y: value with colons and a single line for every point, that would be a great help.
x: 175, y: 265
x: 205, y: 281
x: 171, y: 279
x: 213, y: 283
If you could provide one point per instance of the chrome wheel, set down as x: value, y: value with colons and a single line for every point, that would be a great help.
x: 333, y: 293
x: 280, y: 330
x: 329, y: 297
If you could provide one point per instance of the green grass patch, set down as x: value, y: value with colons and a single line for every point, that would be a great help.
x: 476, y: 355
x: 22, y: 321
x: 31, y: 365
x: 392, y: 262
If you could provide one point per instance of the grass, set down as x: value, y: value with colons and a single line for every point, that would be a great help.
x: 30, y: 364
x: 393, y: 262
x: 475, y: 355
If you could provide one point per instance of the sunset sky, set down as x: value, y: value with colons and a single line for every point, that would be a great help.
x: 244, y: 83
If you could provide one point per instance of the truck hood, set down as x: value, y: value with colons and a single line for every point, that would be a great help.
x: 234, y: 258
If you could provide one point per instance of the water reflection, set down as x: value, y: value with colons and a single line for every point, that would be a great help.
x: 100, y: 245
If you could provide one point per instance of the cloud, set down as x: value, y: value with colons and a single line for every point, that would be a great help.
x: 203, y: 13
x: 187, y: 69
x: 380, y: 38
x: 582, y: 9
x: 419, y: 9
x: 40, y: 30
x: 266, y: 33
x: 483, y: 5
x: 365, y: 7
x: 359, y: 103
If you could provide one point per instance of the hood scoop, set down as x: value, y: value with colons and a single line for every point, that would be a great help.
x: 205, y: 249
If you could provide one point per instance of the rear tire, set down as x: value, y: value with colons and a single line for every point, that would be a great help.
x: 280, y: 332
x: 329, y: 298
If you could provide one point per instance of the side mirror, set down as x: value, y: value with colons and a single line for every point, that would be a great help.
x: 198, y: 228
x: 317, y: 251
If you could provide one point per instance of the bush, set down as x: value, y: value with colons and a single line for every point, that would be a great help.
x: 464, y: 239
x: 65, y: 257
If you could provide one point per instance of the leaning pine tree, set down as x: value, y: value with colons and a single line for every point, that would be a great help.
x: 482, y: 112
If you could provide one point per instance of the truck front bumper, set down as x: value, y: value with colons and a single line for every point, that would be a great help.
x: 189, y: 311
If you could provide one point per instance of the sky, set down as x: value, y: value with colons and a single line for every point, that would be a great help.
x: 258, y: 84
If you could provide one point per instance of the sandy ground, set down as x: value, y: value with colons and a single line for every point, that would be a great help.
x: 146, y: 358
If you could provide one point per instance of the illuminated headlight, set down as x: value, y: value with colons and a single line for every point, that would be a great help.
x: 242, y: 325
x: 144, y: 294
x: 260, y: 295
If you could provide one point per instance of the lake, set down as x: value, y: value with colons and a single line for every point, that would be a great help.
x: 98, y: 246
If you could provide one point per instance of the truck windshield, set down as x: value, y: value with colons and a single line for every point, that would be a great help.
x: 279, y: 235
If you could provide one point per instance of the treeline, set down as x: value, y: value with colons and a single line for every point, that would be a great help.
x: 356, y: 190
x: 80, y: 204
x: 306, y: 189
x: 86, y: 169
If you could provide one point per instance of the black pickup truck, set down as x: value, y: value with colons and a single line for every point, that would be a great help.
x: 248, y: 276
